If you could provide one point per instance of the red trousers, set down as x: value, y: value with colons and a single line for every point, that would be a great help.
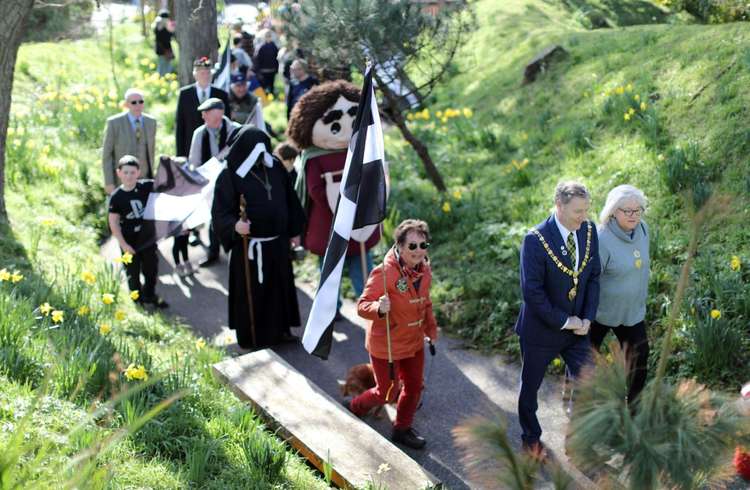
x: 409, y: 371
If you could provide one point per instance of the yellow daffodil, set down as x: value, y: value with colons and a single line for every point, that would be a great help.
x: 127, y: 258
x: 83, y: 310
x: 4, y: 275
x: 644, y: 106
x: 425, y: 114
x: 45, y: 309
x: 88, y: 277
x: 661, y: 157
x: 119, y: 315
x: 270, y: 97
x: 16, y: 277
x: 631, y: 111
x: 444, y: 119
x: 200, y: 344
x: 136, y: 372
x: 105, y: 328
x: 57, y: 316
x: 629, y: 87
x: 134, y: 295
x: 457, y: 195
x: 468, y: 113
x: 636, y: 97
x: 715, y: 314
x: 735, y: 264
x: 626, y: 116
x: 108, y: 298
x: 446, y: 207
x: 410, y: 117
x: 557, y: 362
x: 619, y: 90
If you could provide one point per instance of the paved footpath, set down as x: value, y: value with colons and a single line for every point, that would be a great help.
x: 460, y: 383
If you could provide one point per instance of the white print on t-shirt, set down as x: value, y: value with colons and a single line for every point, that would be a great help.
x: 137, y: 207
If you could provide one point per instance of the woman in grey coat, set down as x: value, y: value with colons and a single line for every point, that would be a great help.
x: 624, y: 255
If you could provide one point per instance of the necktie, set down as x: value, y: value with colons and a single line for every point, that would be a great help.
x: 138, y: 130
x: 571, y: 245
x: 203, y: 95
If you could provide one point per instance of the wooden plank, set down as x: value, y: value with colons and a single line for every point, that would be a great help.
x: 317, y: 426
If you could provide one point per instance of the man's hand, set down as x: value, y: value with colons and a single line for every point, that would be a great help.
x: 242, y: 227
x: 573, y: 323
x: 585, y: 326
x: 384, y: 305
x: 125, y: 246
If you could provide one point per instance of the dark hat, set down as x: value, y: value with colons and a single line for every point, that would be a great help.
x: 164, y: 13
x: 211, y: 103
x: 238, y: 78
x: 202, y: 62
x: 241, y: 142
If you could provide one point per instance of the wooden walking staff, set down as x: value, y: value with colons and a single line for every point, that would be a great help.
x: 391, y: 368
x: 248, y: 281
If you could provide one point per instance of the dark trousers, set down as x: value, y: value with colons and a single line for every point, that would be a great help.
x: 635, y: 341
x: 266, y: 80
x: 180, y: 247
x: 144, y: 262
x: 576, y: 353
x: 409, y: 371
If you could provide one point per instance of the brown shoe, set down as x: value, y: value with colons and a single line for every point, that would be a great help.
x: 536, y: 451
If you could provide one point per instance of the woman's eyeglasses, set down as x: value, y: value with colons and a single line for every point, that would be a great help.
x: 422, y: 245
x: 631, y: 212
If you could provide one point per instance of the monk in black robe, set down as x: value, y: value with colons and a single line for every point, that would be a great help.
x: 276, y: 219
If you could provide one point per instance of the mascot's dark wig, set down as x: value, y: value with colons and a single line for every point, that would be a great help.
x: 313, y: 105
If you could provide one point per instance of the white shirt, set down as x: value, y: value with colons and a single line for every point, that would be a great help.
x: 205, y: 92
x: 564, y: 232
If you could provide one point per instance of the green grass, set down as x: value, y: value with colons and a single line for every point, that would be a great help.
x: 64, y: 384
x: 502, y: 164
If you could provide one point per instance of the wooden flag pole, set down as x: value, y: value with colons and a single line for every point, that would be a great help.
x: 391, y: 369
x: 363, y: 262
x: 248, y: 281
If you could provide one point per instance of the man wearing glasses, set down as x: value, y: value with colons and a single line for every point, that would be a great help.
x: 560, y: 286
x: 129, y: 133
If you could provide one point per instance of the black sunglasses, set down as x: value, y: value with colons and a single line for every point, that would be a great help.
x: 422, y: 245
x: 136, y: 102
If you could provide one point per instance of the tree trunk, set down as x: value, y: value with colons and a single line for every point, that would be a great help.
x: 13, y: 15
x: 398, y: 118
x: 142, y: 13
x: 196, y: 34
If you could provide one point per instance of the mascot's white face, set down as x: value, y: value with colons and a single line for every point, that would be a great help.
x: 334, y: 130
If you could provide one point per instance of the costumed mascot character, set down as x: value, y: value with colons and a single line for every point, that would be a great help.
x: 321, y: 126
x: 258, y: 217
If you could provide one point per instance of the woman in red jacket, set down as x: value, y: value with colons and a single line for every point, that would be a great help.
x: 401, y: 299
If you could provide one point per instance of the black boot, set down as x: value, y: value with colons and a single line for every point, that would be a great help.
x: 408, y: 437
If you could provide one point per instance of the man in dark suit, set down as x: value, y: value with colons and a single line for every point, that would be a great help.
x: 188, y: 118
x: 560, y: 284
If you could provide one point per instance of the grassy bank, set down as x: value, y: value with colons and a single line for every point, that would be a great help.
x: 94, y: 392
x: 662, y: 107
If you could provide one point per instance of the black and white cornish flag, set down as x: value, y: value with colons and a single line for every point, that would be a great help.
x: 361, y: 202
x: 222, y: 75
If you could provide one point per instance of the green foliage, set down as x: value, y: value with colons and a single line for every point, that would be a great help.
x: 154, y: 415
x: 713, y: 11
x: 53, y: 21
x: 680, y: 436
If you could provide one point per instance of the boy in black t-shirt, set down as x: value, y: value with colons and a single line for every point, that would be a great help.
x: 126, y: 206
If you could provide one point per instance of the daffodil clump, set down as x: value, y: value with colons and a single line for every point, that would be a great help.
x: 11, y: 277
x: 624, y: 100
x: 443, y: 115
x: 134, y: 372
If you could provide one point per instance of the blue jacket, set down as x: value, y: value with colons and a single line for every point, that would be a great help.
x: 545, y: 287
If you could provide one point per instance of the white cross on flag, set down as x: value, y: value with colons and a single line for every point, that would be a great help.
x: 361, y: 202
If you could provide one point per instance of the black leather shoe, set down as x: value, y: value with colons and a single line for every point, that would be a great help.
x: 209, y: 261
x: 409, y: 438
x: 155, y: 302
x: 288, y: 337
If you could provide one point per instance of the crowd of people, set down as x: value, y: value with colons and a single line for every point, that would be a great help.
x: 578, y: 281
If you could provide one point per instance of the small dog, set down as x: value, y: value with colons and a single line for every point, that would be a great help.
x: 361, y: 378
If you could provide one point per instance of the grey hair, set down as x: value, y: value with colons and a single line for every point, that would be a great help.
x: 567, y: 190
x: 133, y: 91
x: 616, y: 197
x: 302, y: 64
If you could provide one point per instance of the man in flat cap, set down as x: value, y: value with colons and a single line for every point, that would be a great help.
x: 191, y: 96
x: 208, y: 140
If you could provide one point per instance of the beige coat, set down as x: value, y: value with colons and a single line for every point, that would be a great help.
x: 119, y: 140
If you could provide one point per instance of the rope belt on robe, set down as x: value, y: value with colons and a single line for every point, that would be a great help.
x: 255, y: 248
